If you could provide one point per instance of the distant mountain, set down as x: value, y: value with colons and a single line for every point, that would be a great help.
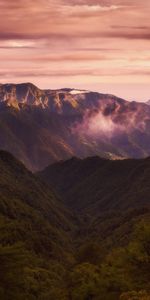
x: 148, y: 102
x: 43, y: 126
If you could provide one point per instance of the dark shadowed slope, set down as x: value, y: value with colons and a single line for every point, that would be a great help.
x: 112, y: 202
x: 110, y: 184
x: 105, y: 194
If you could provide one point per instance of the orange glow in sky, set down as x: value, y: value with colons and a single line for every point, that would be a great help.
x: 99, y: 45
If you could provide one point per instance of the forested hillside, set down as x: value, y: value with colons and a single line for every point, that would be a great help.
x: 112, y: 201
x: 79, y: 230
x: 35, y: 235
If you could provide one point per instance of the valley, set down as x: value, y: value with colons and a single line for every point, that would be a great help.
x: 77, y: 230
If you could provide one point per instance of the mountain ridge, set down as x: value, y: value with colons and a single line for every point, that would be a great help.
x: 71, y: 177
x: 10, y: 94
x: 43, y: 126
x: 55, y: 247
x: 31, y: 88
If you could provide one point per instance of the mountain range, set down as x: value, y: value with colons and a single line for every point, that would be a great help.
x: 41, y: 127
x: 74, y: 195
x: 79, y: 229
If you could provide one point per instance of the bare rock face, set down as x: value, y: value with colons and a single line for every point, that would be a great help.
x: 43, y: 126
x: 23, y: 94
x: 9, y: 96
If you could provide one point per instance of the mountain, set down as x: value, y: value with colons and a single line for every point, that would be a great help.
x: 99, y: 189
x: 43, y: 126
x: 112, y: 202
x: 148, y: 102
x: 88, y: 239
x: 96, y: 187
x: 35, y: 235
x: 33, y: 205
x: 77, y: 230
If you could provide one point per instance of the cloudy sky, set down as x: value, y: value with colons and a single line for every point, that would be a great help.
x: 101, y: 45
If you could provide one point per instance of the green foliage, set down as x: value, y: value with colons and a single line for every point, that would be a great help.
x: 48, y: 252
x: 141, y: 295
x: 35, y: 233
x: 90, y: 252
x: 85, y: 281
x: 23, y: 277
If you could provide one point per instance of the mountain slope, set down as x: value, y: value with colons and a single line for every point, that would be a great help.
x: 100, y: 190
x: 112, y: 201
x: 36, y: 233
x: 74, y: 247
x: 94, y: 178
x: 148, y: 102
x: 43, y: 126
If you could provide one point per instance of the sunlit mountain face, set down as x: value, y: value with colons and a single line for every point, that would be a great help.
x: 43, y: 126
x: 101, y: 45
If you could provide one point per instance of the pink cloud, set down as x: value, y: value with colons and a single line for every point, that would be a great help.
x: 111, y: 34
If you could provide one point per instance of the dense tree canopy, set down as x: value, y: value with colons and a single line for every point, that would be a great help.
x: 52, y: 251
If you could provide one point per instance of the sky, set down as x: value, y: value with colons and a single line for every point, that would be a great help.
x: 98, y: 45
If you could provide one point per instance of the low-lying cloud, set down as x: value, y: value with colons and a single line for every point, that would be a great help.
x: 122, y: 119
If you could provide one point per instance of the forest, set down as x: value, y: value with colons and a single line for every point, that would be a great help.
x: 78, y: 230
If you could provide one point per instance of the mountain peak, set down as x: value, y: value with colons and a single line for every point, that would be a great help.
x: 52, y: 125
x: 148, y: 102
x: 19, y: 95
x: 61, y: 100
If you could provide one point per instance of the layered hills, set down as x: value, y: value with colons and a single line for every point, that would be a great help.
x: 100, y: 189
x: 77, y: 230
x: 43, y: 126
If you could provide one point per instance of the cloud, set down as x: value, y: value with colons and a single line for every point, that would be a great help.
x: 97, y: 126
x: 72, y: 57
x: 110, y: 119
x: 87, y: 10
x: 75, y: 40
x: 65, y: 20
x: 131, y: 27
x: 45, y: 73
x: 127, y: 35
